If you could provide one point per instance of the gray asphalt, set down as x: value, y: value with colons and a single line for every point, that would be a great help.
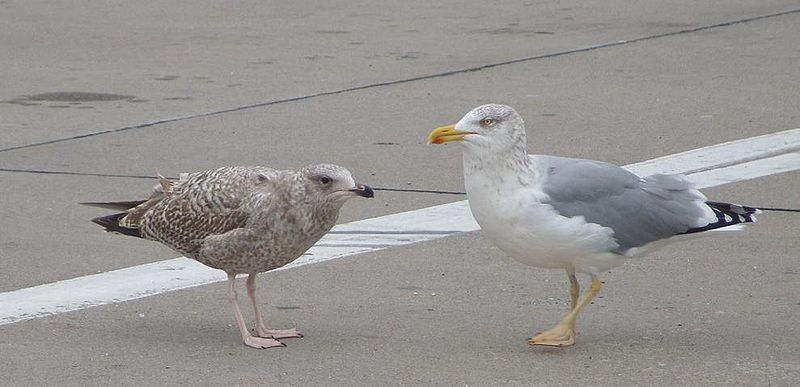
x: 101, y: 93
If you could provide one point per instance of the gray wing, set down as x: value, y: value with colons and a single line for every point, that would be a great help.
x: 639, y: 210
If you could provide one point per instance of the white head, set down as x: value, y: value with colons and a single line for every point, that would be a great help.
x: 333, y: 183
x: 492, y: 127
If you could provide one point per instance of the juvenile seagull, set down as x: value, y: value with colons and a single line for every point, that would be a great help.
x: 243, y: 220
x: 578, y: 215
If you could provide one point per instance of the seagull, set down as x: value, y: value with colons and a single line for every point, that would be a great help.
x: 577, y: 215
x: 243, y: 220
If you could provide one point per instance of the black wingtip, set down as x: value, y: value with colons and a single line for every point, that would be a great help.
x: 728, y: 214
x: 735, y: 208
x: 111, y: 224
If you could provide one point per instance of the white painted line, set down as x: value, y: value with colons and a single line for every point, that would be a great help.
x: 721, y: 155
x: 105, y: 288
x: 376, y: 233
x: 391, y: 230
x: 751, y: 170
x: 180, y: 273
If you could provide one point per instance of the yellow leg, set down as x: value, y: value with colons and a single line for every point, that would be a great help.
x: 563, y: 334
x: 575, y: 289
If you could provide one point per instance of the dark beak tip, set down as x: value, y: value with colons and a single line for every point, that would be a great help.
x: 367, y: 192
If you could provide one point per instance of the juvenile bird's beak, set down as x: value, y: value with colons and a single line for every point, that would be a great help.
x: 363, y: 190
x: 445, y: 134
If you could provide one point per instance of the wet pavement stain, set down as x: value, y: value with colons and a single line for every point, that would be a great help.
x: 20, y: 102
x: 74, y: 96
x: 315, y: 57
x: 167, y: 78
x: 333, y: 32
x: 67, y: 99
x: 511, y: 31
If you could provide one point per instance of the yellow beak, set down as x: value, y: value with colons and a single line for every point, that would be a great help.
x: 445, y: 134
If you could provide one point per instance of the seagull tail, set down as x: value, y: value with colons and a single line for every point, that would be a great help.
x: 112, y: 224
x: 126, y: 222
x: 119, y: 206
x: 730, y: 217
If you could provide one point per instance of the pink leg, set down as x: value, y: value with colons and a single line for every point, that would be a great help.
x: 261, y: 329
x: 249, y: 340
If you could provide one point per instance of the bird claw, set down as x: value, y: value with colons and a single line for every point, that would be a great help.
x: 262, y: 342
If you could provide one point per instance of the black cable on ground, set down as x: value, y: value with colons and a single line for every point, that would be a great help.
x: 388, y: 189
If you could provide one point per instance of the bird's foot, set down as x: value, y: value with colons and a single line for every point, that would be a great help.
x: 292, y: 333
x: 558, y: 336
x: 262, y: 342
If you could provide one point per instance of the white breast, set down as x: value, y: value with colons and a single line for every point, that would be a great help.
x: 532, y: 233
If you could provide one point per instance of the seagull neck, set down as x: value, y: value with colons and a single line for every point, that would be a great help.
x: 497, y: 165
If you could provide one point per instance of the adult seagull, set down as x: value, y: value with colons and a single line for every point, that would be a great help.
x: 577, y: 215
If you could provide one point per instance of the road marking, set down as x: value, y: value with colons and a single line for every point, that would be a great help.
x: 710, y: 166
x: 757, y: 168
x: 179, y: 273
x: 721, y: 155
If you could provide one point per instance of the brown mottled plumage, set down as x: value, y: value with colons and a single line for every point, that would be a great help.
x: 241, y: 220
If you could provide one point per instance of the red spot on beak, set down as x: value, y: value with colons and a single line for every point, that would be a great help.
x: 438, y: 140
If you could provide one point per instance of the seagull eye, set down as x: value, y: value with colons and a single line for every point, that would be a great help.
x: 324, y: 179
x: 487, y: 122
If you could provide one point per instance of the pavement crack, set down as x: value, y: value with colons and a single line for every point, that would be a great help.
x: 408, y: 80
